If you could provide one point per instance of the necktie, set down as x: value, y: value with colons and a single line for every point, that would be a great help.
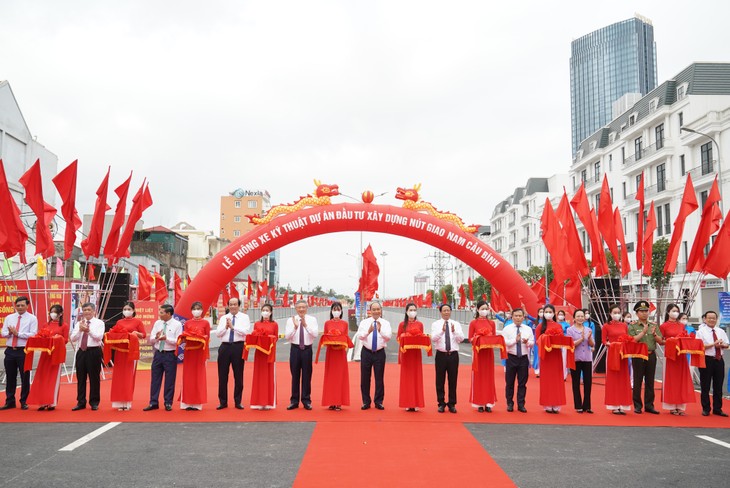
x: 718, y: 354
x: 17, y: 331
x: 230, y: 335
x: 164, y: 333
x: 447, y: 340
x: 519, y: 344
x: 302, y: 325
x: 84, y: 339
x: 374, y: 346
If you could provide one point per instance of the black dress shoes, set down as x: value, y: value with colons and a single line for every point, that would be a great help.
x: 379, y: 406
x: 221, y: 407
x: 307, y: 406
x: 452, y: 409
x: 638, y: 410
x: 7, y: 406
x: 95, y: 407
x: 292, y: 406
x: 510, y: 408
x: 441, y: 408
x: 239, y: 406
x: 168, y: 407
x: 522, y: 409
x: 365, y: 406
x: 651, y: 410
x: 24, y: 406
x: 720, y: 413
x: 80, y: 407
x: 150, y: 407
x: 705, y: 413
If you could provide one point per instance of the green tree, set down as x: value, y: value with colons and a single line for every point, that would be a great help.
x: 480, y: 287
x: 659, y: 279
x: 613, y: 270
x: 449, y: 290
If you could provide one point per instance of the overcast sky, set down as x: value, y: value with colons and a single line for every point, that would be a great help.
x: 468, y: 98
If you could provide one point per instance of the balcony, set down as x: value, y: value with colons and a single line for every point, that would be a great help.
x: 645, y: 153
x: 702, y: 171
x: 511, y: 245
x: 496, y: 232
x: 592, y: 182
x: 524, y: 240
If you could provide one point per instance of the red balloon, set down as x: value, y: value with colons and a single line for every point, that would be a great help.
x: 367, y: 196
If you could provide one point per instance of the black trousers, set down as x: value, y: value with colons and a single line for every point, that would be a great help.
x: 713, y: 374
x: 15, y: 363
x: 300, y: 365
x: 644, y: 370
x: 163, y: 363
x: 585, y: 367
x: 447, y: 364
x: 516, y: 367
x: 230, y: 356
x: 372, y: 362
x: 88, y: 366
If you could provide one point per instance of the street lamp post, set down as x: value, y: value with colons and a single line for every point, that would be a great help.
x: 383, y: 254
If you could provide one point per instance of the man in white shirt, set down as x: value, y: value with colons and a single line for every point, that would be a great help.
x: 713, y: 374
x: 163, y: 338
x: 519, y: 340
x: 446, y: 335
x: 232, y: 329
x: 301, y: 330
x: 87, y: 337
x: 374, y: 332
x: 17, y: 328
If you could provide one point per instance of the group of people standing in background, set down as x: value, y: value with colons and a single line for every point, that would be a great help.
x: 302, y: 330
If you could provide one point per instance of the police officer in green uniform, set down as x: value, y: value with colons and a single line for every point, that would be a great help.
x: 644, y: 370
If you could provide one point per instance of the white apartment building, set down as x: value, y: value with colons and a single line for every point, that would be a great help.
x: 648, y: 139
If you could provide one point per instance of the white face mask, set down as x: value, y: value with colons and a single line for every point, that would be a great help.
x: 265, y: 314
x: 588, y: 316
x: 483, y: 313
x: 616, y: 317
x: 336, y: 313
x: 539, y: 314
x: 197, y: 313
x: 412, y: 314
x: 53, y: 315
x: 548, y: 315
x: 627, y: 320
x: 127, y: 313
x: 683, y: 321
x: 673, y: 315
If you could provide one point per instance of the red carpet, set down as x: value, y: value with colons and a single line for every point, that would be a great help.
x: 353, y: 413
x: 408, y: 452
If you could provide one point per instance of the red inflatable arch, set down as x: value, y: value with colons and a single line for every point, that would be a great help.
x: 293, y: 223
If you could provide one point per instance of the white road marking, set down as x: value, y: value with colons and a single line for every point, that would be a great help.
x: 90, y: 436
x: 465, y: 354
x: 714, y: 441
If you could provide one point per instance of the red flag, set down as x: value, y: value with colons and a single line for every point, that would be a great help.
x: 161, y: 293
x: 429, y: 300
x: 32, y: 181
x: 141, y: 202
x: 443, y: 297
x: 471, y: 290
x: 92, y: 244
x: 233, y: 291
x: 112, y: 239
x: 556, y: 293
x: 606, y: 223
x: 272, y: 295
x: 250, y: 288
x: 641, y: 224
x: 618, y: 223
x: 263, y: 290
x: 573, y: 244
x: 92, y: 275
x: 177, y: 291
x: 65, y: 183
x: 573, y: 293
x: 144, y: 290
x: 709, y: 224
x: 369, y: 276
x: 462, y: 297
x: 499, y: 304
x: 419, y: 301
x: 484, y: 297
x: 12, y: 232
x: 554, y: 239
x: 226, y: 296
x: 689, y: 204
x: 539, y: 288
x: 590, y: 223
x: 285, y: 299
x: 649, y: 240
x: 717, y: 262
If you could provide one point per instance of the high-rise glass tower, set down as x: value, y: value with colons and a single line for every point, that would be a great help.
x: 604, y: 66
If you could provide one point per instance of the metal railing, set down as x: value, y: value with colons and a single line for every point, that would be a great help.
x: 644, y: 153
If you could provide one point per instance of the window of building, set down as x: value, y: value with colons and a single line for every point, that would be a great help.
x: 252, y: 204
x: 237, y: 218
x: 236, y: 233
x: 515, y: 263
x: 706, y: 156
x: 623, y: 189
x: 598, y: 202
x: 667, y: 220
x: 610, y: 162
x: 597, y: 171
x: 623, y: 155
x: 237, y: 204
x: 632, y: 119
x: 661, y: 177
x: 685, y: 251
x: 703, y: 198
x: 574, y: 187
x: 586, y: 241
x: 680, y: 116
x: 681, y: 165
x: 659, y: 220
x: 638, y: 181
x: 611, y: 190
x: 659, y: 132
x: 637, y: 148
x: 652, y: 106
x: 528, y: 257
x: 583, y: 176
x: 611, y: 137
x: 681, y: 92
